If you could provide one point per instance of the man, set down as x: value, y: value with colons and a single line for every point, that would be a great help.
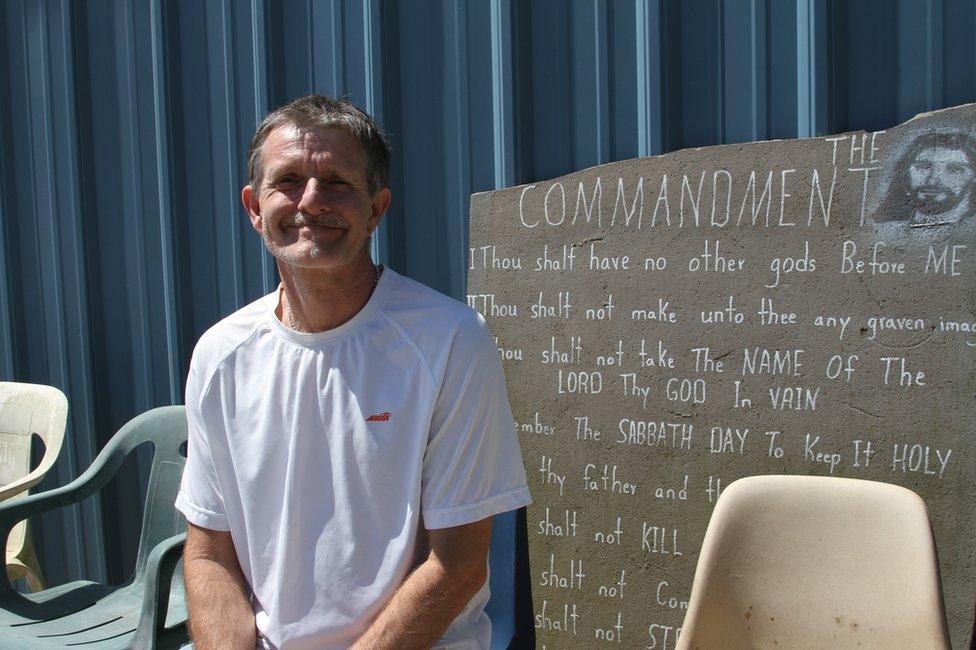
x: 350, y: 434
x: 933, y: 182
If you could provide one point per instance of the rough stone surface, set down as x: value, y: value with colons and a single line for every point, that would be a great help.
x: 670, y: 324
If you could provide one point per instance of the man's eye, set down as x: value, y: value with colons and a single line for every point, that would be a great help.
x: 287, y: 180
x: 956, y: 169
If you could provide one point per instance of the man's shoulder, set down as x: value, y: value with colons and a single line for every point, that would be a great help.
x: 230, y: 332
x: 431, y: 319
x: 417, y: 303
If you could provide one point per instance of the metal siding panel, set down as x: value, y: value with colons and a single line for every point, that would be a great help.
x: 871, y: 79
x: 699, y: 74
x: 424, y: 142
x: 207, y: 164
x: 251, y: 73
x: 6, y: 306
x: 374, y: 103
x: 293, y: 69
x: 920, y: 56
x: 550, y: 125
x: 781, y: 71
x: 589, y: 83
x: 231, y: 172
x: 651, y: 108
x: 480, y: 90
x: 354, y: 44
x: 326, y: 62
x: 395, y: 221
x: 7, y: 343
x: 39, y: 279
x: 259, y: 49
x: 43, y: 169
x: 123, y: 317
x: 503, y: 94
x: 811, y: 68
x: 135, y: 232
x: 165, y: 190
x: 457, y: 147
x: 621, y: 72
x: 24, y: 284
x: 959, y: 54
x: 744, y: 84
x: 71, y: 235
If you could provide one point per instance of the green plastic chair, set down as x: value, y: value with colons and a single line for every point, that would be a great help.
x: 147, y: 612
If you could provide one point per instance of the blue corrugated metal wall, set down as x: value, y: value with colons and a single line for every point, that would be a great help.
x: 123, y: 127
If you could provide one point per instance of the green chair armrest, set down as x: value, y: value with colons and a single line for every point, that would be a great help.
x: 141, y: 428
x: 102, y: 469
x: 155, y: 596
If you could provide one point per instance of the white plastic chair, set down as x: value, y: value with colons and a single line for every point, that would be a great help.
x: 816, y: 562
x: 27, y: 410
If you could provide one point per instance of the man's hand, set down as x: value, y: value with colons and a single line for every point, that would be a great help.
x: 220, y: 613
x: 436, y: 592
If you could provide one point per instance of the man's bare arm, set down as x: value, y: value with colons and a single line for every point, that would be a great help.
x: 436, y: 592
x: 220, y: 613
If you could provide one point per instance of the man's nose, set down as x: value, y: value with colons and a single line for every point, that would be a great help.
x: 313, y: 200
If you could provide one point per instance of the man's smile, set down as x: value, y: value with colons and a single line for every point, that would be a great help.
x: 318, y: 222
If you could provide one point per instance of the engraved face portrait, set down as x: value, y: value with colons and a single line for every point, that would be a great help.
x: 933, y: 182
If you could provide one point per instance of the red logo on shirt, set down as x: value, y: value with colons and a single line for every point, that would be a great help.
x: 379, y: 417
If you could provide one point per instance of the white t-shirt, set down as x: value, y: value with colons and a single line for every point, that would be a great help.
x: 326, y: 455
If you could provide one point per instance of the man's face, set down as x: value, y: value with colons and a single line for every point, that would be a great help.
x: 940, y: 179
x: 313, y: 207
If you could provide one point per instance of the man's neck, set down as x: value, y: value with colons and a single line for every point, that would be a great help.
x: 315, y: 300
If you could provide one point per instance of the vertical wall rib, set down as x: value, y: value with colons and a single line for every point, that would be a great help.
x: 259, y: 58
x: 232, y: 162
x: 920, y: 54
x: 7, y: 363
x: 88, y: 538
x: 139, y: 312
x: 56, y: 222
x: 373, y: 69
x: 650, y: 89
x: 590, y: 90
x: 458, y: 169
x: 502, y: 96
x: 811, y: 68
x: 170, y: 297
x: 743, y: 55
x: 6, y: 305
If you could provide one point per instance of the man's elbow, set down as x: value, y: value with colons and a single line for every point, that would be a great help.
x: 469, y: 579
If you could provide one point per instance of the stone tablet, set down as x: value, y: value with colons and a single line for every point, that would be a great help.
x: 671, y: 324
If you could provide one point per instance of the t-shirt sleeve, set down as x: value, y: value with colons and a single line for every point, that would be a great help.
x: 200, y: 499
x: 472, y: 466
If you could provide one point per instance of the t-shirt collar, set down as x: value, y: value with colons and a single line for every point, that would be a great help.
x: 317, y: 338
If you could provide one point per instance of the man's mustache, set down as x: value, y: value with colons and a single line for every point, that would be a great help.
x: 298, y: 220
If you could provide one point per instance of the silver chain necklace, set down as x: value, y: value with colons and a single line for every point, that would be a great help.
x: 377, y: 272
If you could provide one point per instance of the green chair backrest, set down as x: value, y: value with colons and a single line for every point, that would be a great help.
x: 166, y: 429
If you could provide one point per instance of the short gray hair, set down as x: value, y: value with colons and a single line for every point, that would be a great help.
x: 318, y: 111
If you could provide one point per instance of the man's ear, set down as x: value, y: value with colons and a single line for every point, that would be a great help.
x: 249, y: 197
x: 380, y: 204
